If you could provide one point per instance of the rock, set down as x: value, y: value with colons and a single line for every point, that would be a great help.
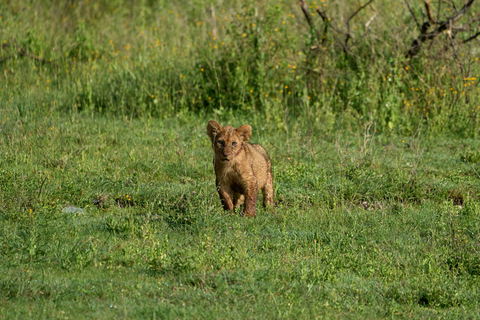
x: 73, y: 209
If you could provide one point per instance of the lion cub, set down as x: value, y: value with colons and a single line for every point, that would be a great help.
x: 241, y: 168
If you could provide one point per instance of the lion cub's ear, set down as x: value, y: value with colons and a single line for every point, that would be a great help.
x: 245, y: 132
x: 212, y: 128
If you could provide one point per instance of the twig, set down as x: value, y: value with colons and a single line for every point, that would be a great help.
x: 474, y: 18
x: 429, y: 12
x: 218, y: 82
x: 455, y: 55
x: 416, y: 157
x: 473, y: 168
x: 333, y: 93
x: 472, y: 37
x: 413, y: 14
x: 348, y: 36
x: 6, y: 58
x: 214, y: 21
x: 371, y: 19
x: 303, y: 5
x: 421, y: 79
x: 325, y: 23
x: 41, y: 187
x: 462, y: 11
x: 358, y: 10
x: 325, y: 18
x: 439, y: 7
x: 24, y: 53
x: 328, y: 23
x: 35, y: 57
x: 453, y: 5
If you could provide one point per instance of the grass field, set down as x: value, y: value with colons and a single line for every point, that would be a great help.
x: 108, y: 208
x: 364, y: 226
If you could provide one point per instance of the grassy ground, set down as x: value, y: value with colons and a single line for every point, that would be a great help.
x: 108, y: 207
x: 364, y: 226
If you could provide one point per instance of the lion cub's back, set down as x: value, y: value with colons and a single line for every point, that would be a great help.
x: 262, y: 151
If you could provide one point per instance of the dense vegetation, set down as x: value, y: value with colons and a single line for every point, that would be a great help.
x: 108, y: 206
x: 162, y: 59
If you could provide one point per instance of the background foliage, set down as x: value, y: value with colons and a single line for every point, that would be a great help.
x: 162, y: 59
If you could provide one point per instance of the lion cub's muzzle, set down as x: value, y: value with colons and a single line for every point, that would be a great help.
x: 227, y: 156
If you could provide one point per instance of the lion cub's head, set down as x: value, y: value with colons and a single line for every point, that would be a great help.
x: 227, y: 141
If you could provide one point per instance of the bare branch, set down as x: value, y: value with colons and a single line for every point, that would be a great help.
x: 472, y: 37
x: 413, y: 14
x: 6, y: 58
x: 306, y: 13
x: 453, y: 5
x: 303, y: 5
x: 439, y: 7
x: 329, y: 23
x: 431, y: 19
x: 325, y: 25
x: 348, y: 36
x: 442, y: 26
x: 41, y: 187
x: 462, y: 11
x: 326, y: 19
x: 371, y: 19
x: 358, y: 10
x: 24, y: 53
x: 455, y: 55
x: 473, y: 19
x: 214, y: 21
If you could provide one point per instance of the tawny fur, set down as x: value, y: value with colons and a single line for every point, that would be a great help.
x: 241, y: 168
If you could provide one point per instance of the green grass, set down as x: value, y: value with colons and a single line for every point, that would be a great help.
x: 386, y: 228
x: 376, y: 161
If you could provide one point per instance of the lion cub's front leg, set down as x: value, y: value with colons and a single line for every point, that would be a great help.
x: 225, y: 198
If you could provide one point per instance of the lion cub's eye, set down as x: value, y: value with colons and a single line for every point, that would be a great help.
x: 221, y: 143
x: 234, y: 144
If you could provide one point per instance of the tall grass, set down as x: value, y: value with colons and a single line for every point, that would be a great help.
x: 258, y: 58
